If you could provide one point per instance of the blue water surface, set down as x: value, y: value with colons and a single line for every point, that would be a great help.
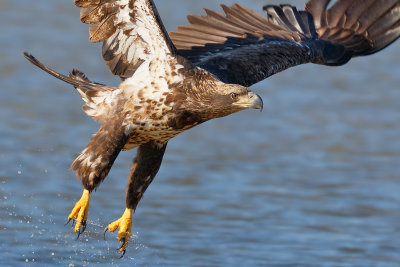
x: 314, y: 180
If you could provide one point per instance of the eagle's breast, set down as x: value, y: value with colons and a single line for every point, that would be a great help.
x: 151, y: 98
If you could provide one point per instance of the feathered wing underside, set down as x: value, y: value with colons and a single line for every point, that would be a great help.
x: 131, y: 32
x: 242, y: 46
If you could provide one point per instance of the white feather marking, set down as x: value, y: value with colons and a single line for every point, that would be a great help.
x: 87, y: 159
x: 141, y: 77
x: 99, y: 161
x: 160, y: 145
x: 131, y: 53
x: 91, y: 177
x: 128, y: 127
x: 179, y: 66
x: 122, y: 2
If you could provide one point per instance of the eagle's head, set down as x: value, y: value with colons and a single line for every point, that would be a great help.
x: 233, y: 97
x: 224, y: 99
x: 203, y: 97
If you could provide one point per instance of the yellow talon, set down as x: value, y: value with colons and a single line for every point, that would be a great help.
x: 80, y: 212
x: 125, y: 226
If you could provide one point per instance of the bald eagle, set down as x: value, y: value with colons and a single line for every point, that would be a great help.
x: 173, y: 82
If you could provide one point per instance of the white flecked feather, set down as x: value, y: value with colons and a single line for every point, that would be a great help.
x: 138, y: 38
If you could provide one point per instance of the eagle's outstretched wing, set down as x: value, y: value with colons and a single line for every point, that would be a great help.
x: 244, y: 47
x: 131, y: 31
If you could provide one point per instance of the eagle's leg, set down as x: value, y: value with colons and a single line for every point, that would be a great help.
x: 94, y: 163
x: 143, y: 170
x: 80, y: 212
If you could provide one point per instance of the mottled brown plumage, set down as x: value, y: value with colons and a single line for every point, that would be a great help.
x: 162, y: 95
x: 171, y: 86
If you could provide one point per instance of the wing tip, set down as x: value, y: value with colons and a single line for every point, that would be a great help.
x: 30, y: 57
x: 36, y: 62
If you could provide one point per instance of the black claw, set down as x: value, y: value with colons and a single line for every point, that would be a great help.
x: 105, y: 231
x: 84, y: 226
x: 69, y: 219
x: 122, y: 254
x: 79, y: 233
x: 81, y: 229
x: 122, y: 243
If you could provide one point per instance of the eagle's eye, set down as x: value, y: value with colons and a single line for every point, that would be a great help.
x: 234, y: 96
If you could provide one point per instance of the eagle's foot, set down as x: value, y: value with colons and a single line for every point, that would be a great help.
x: 79, y: 213
x: 125, y: 225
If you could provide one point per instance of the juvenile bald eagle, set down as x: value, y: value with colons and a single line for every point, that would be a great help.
x: 171, y: 83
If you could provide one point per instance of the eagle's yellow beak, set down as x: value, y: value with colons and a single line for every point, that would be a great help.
x: 251, y: 100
